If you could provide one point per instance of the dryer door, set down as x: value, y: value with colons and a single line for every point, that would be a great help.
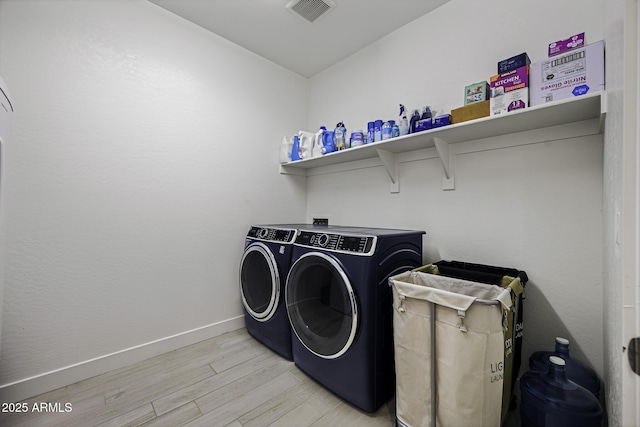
x: 321, y: 305
x: 259, y: 281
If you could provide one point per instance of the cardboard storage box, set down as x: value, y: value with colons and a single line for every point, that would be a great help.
x: 573, y: 73
x: 477, y: 92
x: 513, y: 63
x: 509, y: 91
x: 470, y: 112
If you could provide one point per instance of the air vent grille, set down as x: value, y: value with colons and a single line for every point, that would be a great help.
x: 310, y: 10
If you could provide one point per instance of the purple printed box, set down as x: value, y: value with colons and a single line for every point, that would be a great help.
x: 509, y: 91
x: 561, y: 46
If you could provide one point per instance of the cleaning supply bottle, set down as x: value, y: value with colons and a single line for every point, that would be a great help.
x: 317, y: 142
x: 328, y: 142
x: 395, y: 129
x: 340, y: 137
x: 377, y: 130
x: 426, y: 113
x: 295, y: 149
x: 386, y: 131
x: 357, y: 138
x: 403, y: 125
x: 415, y: 116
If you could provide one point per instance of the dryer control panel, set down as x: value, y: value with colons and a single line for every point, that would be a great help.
x: 284, y: 235
x: 345, y: 243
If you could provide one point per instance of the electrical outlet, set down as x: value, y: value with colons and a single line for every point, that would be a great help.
x: 320, y: 221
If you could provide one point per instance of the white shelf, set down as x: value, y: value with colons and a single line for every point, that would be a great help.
x: 562, y: 112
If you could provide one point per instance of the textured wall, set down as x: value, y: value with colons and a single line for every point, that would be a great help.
x: 537, y: 207
x: 131, y: 176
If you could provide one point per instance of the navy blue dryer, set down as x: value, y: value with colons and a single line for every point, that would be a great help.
x: 263, y: 271
x: 340, y: 307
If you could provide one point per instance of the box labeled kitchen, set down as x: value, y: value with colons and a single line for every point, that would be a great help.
x: 571, y: 74
x: 509, y: 91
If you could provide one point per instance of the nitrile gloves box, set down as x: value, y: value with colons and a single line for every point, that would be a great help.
x: 568, y: 75
x: 509, y: 91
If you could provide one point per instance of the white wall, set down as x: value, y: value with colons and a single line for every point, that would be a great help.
x: 534, y: 207
x: 129, y: 181
x: 136, y: 141
x: 621, y: 208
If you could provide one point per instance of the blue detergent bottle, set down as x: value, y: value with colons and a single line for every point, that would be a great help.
x: 550, y: 399
x: 295, y: 149
x: 576, y: 371
x: 415, y: 116
x: 328, y: 142
x: 426, y: 113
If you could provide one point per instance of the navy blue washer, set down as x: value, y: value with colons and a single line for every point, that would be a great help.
x: 339, y: 305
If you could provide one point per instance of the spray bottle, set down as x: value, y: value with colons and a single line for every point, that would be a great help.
x: 403, y: 123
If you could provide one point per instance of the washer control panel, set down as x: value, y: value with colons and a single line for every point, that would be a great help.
x: 360, y: 245
x: 284, y: 235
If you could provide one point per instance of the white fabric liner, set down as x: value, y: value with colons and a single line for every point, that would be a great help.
x: 455, y: 328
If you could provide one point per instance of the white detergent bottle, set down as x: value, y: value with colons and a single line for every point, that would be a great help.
x: 317, y: 143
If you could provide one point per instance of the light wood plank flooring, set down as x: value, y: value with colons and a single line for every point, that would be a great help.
x: 231, y: 380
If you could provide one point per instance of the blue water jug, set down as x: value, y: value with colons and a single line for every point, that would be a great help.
x: 576, y: 371
x: 550, y: 399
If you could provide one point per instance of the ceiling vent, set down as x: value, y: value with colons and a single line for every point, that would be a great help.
x: 310, y: 10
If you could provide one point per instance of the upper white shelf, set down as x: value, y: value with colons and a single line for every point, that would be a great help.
x: 571, y: 110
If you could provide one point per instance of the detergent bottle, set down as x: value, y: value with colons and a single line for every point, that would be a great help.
x: 328, y: 142
x: 317, y: 143
x: 306, y: 144
x: 295, y: 149
x: 340, y: 137
x: 415, y: 116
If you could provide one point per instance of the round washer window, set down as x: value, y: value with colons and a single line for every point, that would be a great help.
x: 259, y: 282
x: 321, y: 305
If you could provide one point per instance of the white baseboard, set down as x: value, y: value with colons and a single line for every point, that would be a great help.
x: 33, y: 386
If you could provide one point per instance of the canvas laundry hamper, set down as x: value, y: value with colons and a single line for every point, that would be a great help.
x: 503, y: 277
x: 449, y: 350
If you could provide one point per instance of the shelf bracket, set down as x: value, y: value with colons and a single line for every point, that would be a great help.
x: 286, y: 170
x: 448, y: 164
x: 391, y: 165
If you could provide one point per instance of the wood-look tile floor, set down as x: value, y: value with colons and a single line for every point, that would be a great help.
x: 231, y: 380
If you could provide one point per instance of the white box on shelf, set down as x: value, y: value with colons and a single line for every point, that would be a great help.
x: 568, y: 75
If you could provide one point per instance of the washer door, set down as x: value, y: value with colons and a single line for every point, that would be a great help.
x: 321, y: 305
x: 259, y: 282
